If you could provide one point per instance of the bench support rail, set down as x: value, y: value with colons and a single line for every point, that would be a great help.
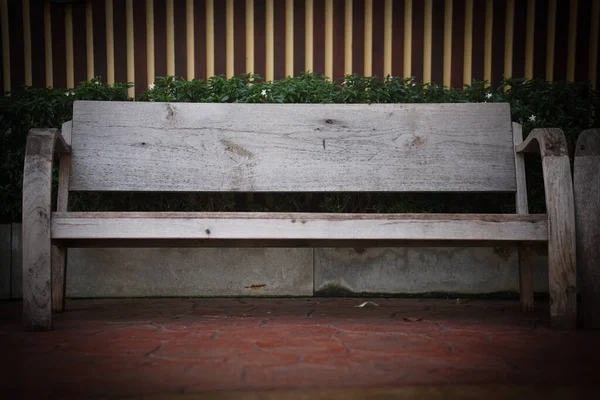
x: 587, y: 213
x: 558, y: 188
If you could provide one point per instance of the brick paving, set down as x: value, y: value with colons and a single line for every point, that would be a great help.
x: 144, y: 347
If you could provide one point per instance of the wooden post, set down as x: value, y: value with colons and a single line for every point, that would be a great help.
x: 525, y: 252
x: 587, y: 218
x: 37, y: 195
x: 558, y: 188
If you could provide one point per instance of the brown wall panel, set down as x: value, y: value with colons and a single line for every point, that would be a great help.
x: 17, y: 63
x: 120, y: 35
x: 318, y: 37
x: 79, y: 51
x: 498, y: 42
x: 338, y: 40
x: 417, y: 43
x: 583, y: 44
x: 458, y: 43
x: 139, y: 34
x: 398, y: 38
x: 220, y: 37
x: 239, y: 34
x: 540, y: 39
x: 38, y: 76
x: 179, y: 14
x: 59, y: 64
x: 562, y: 41
x: 478, y: 39
x: 519, y: 38
x: 437, y: 42
x: 279, y: 39
x: 378, y: 33
x: 200, y: 39
x: 99, y: 39
x: 358, y: 36
x: 160, y: 38
x: 259, y: 37
x: 299, y: 35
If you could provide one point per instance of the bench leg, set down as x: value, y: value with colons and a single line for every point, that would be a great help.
x: 37, y: 249
x: 526, y: 278
x: 561, y: 241
x: 59, y: 263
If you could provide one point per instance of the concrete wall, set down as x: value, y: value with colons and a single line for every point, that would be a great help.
x: 277, y: 271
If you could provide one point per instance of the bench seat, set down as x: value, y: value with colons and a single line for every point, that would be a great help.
x: 310, y: 226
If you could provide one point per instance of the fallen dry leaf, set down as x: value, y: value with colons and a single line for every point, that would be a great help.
x: 412, y: 319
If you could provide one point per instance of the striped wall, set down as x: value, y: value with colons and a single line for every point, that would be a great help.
x: 50, y: 43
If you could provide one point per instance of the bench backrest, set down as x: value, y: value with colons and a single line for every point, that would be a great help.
x: 127, y: 146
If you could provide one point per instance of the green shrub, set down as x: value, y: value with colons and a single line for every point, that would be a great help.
x: 534, y: 103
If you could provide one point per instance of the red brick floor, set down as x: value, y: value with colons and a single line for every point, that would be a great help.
x: 142, y: 347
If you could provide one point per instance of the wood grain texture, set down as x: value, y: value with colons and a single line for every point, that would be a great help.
x: 37, y: 191
x: 558, y: 188
x: 525, y: 252
x: 59, y: 254
x: 262, y: 226
x: 297, y: 147
x: 586, y: 187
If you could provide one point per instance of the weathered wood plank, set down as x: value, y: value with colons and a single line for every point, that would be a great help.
x: 586, y: 188
x: 37, y: 191
x: 558, y: 188
x: 292, y: 147
x: 297, y: 226
x: 525, y: 252
x: 59, y: 254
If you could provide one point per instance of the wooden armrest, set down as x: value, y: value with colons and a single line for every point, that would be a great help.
x: 40, y: 141
x: 546, y: 141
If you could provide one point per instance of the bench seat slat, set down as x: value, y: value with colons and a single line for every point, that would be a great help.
x: 313, y: 226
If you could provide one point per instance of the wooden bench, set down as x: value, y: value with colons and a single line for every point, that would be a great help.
x: 160, y: 147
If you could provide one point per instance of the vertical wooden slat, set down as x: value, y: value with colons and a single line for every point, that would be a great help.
x: 5, y: 45
x: 229, y: 41
x: 437, y: 41
x: 489, y: 28
x: 69, y: 45
x: 279, y: 39
x: 260, y: 57
x: 299, y: 36
x: 120, y: 40
x: 250, y: 36
x: 47, y: 45
x: 387, y: 37
x: 329, y: 38
x: 89, y: 40
x: 189, y: 39
x: 509, y: 38
x: 110, y: 43
x: 37, y: 39
x: 551, y: 32
x: 561, y: 41
x: 358, y: 37
x: 539, y: 41
x: 130, y: 46
x: 239, y: 37
x: 210, y: 38
x: 418, y: 14
x: 572, y: 40
x: 99, y: 29
x: 200, y: 43
x: 468, y: 49
x: 17, y: 67
x: 378, y: 23
x: 398, y: 43
x: 269, y: 41
x: 139, y: 33
x: 584, y: 35
x: 529, y: 35
x: 150, y: 74
x: 220, y: 35
x: 407, y: 38
x: 170, y: 37
x: 58, y: 45
x: 458, y: 43
x: 478, y: 40
x: 289, y: 38
x: 594, y: 32
x: 308, y: 32
x: 447, y: 42
x: 27, y: 42
x: 427, y: 31
x: 498, y: 42
x: 368, y: 57
x: 348, y: 37
x: 338, y: 39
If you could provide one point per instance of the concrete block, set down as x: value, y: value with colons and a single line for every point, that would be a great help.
x: 405, y: 270
x: 5, y: 260
x: 16, y: 279
x: 189, y: 272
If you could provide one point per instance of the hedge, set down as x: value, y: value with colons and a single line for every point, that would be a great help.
x: 571, y: 106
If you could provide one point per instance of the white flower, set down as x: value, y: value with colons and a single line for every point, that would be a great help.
x: 343, y: 83
x: 69, y: 93
x: 97, y: 83
x: 414, y: 84
x: 264, y: 92
x: 532, y: 118
x: 151, y: 86
x: 489, y: 95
